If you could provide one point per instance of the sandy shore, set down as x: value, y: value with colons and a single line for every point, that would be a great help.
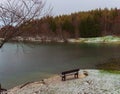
x: 95, y: 83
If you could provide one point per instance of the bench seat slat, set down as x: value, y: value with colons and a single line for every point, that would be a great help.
x: 69, y: 74
x: 70, y: 71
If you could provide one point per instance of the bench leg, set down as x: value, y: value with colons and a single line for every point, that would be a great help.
x: 63, y: 78
x: 76, y: 75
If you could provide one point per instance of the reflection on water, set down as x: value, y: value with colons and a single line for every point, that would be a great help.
x: 44, y: 60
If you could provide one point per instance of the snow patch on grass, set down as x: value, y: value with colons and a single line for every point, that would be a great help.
x: 105, y: 39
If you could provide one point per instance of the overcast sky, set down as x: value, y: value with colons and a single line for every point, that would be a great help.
x: 71, y: 6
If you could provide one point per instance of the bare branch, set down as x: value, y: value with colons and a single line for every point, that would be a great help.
x: 14, y: 13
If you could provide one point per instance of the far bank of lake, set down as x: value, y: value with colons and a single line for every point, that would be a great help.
x: 105, y: 39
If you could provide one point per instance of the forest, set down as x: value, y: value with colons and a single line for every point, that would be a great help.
x: 84, y: 24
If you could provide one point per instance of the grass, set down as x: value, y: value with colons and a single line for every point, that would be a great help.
x: 110, y: 71
x: 110, y: 66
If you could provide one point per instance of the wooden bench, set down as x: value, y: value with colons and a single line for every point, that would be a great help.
x: 74, y: 72
x: 2, y: 90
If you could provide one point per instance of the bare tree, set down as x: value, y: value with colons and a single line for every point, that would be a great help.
x: 13, y: 13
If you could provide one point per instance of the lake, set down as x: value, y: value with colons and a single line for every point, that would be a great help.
x: 34, y: 62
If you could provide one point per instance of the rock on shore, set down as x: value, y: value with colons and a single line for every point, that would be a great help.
x: 95, y: 83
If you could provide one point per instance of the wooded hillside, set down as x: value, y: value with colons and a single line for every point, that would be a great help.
x: 92, y: 23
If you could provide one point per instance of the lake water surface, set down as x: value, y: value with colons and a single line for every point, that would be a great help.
x: 27, y: 63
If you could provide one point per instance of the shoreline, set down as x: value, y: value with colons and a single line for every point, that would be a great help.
x: 105, y: 39
x: 102, y: 40
x: 96, y: 82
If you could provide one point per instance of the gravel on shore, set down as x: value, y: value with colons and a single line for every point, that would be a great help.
x: 95, y: 83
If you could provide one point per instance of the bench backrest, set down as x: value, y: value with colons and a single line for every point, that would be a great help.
x: 70, y: 71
